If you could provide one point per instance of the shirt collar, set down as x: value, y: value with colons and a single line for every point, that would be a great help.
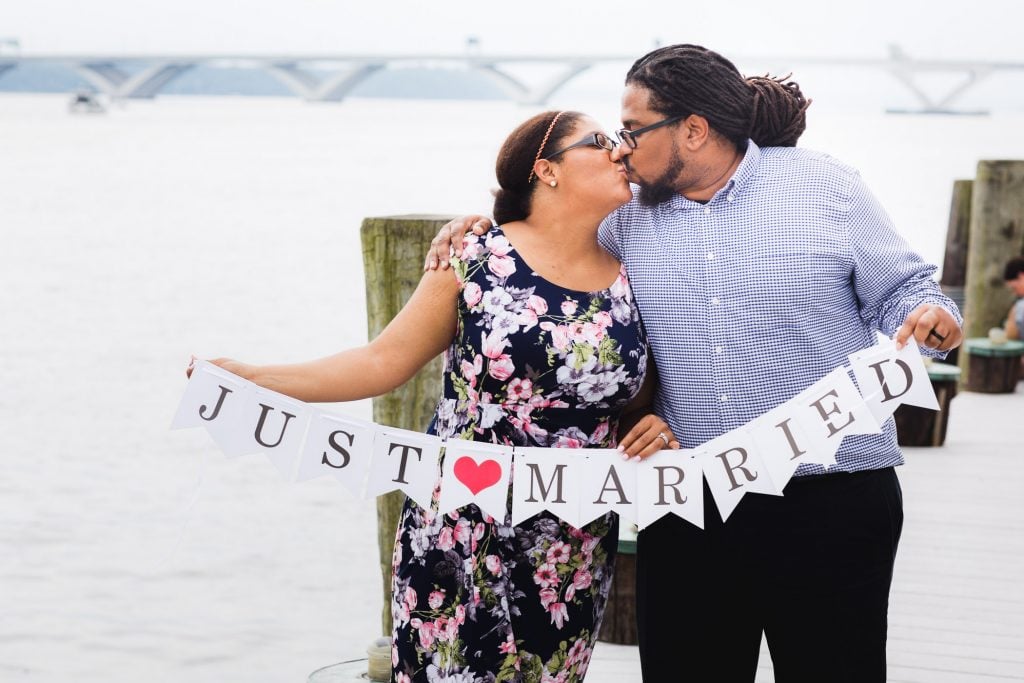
x: 744, y: 172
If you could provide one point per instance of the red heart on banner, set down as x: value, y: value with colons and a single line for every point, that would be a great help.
x: 477, y: 477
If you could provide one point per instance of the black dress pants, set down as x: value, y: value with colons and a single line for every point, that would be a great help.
x: 810, y: 569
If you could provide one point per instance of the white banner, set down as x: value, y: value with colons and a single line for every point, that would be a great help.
x: 577, y: 485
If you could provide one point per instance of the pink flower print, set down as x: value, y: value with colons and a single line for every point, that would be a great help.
x: 559, y: 614
x: 400, y: 676
x: 493, y: 563
x: 468, y: 372
x: 582, y: 579
x: 462, y: 532
x: 508, y: 647
x: 537, y: 304
x: 498, y: 244
x: 593, y: 333
x: 410, y: 598
x: 502, y: 266
x: 569, y: 307
x: 558, y: 553
x: 478, y: 531
x: 428, y: 631
x: 520, y: 389
x: 394, y: 659
x: 436, y: 599
x: 545, y: 575
x: 570, y: 592
x: 560, y: 337
x: 445, y: 539
x: 527, y: 318
x: 400, y: 613
x: 471, y: 252
x: 576, y: 653
x: 460, y: 615
x: 547, y: 677
x: 575, y: 333
x: 501, y: 368
x: 472, y: 294
x: 568, y: 442
x: 548, y: 596
x: 619, y: 288
x: 603, y: 318
x: 493, y: 344
x: 600, y: 432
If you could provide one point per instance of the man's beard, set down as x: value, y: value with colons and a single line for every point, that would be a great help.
x: 663, y: 187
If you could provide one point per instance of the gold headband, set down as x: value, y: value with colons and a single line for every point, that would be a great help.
x: 542, y: 143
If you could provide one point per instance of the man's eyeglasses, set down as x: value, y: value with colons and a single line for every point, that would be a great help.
x: 599, y: 140
x: 628, y: 137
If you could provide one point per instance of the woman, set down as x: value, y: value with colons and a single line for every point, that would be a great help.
x: 544, y: 348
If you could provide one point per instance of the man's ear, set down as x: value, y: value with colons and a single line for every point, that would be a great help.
x: 697, y: 132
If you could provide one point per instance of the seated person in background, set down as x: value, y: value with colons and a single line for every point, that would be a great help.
x: 1014, y: 277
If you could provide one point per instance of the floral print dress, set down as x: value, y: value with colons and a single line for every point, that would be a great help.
x: 474, y: 598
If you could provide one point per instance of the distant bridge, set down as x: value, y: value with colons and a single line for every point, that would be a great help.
x: 108, y: 73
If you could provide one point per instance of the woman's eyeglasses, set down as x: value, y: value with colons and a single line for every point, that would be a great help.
x: 599, y: 140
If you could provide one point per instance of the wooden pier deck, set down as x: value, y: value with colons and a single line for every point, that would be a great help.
x: 957, y: 606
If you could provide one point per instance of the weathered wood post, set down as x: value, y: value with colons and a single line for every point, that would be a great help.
x: 996, y: 235
x: 394, y: 248
x: 954, y: 264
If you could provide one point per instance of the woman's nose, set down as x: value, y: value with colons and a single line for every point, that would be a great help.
x: 620, y: 152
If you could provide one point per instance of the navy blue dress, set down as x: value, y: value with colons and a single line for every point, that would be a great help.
x: 532, y: 364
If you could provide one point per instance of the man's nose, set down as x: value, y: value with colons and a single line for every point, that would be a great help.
x: 621, y: 151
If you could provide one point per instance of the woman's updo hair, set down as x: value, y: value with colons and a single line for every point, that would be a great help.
x: 531, y: 140
x: 690, y: 79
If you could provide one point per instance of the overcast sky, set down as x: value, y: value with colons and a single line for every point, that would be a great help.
x: 985, y: 29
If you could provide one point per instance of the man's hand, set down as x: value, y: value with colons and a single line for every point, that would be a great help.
x: 451, y: 235
x: 931, y: 326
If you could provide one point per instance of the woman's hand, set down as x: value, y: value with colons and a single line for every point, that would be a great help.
x: 243, y: 370
x: 450, y: 235
x: 649, y: 435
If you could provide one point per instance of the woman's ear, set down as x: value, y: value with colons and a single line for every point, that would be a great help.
x: 545, y: 171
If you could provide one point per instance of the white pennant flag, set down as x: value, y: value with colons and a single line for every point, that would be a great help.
x: 832, y: 408
x: 781, y: 442
x: 733, y: 468
x: 609, y: 485
x: 476, y: 472
x: 404, y: 460
x: 339, y: 446
x: 543, y: 479
x: 277, y: 425
x: 214, y: 400
x: 889, y: 378
x: 670, y: 481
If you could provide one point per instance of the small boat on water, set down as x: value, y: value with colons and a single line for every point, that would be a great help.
x: 85, y: 102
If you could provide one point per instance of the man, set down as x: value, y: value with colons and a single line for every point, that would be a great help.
x: 1014, y: 278
x: 758, y: 268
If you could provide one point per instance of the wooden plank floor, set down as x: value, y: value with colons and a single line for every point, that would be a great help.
x: 957, y: 604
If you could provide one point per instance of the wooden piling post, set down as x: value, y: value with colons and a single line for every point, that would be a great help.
x: 394, y: 248
x: 996, y: 235
x: 954, y: 264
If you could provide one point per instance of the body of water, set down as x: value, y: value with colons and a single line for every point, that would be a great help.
x: 230, y: 227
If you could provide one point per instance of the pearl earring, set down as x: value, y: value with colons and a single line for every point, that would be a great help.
x: 552, y: 183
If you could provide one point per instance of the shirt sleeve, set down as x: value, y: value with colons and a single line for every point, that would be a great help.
x: 889, y: 278
x: 1018, y: 315
x: 608, y: 234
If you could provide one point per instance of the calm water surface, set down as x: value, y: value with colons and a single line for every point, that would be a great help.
x: 230, y: 227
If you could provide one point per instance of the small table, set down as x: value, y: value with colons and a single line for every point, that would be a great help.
x: 993, y: 368
x: 619, y: 622
x: 916, y: 426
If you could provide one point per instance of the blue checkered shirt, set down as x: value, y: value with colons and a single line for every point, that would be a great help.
x: 765, y: 289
